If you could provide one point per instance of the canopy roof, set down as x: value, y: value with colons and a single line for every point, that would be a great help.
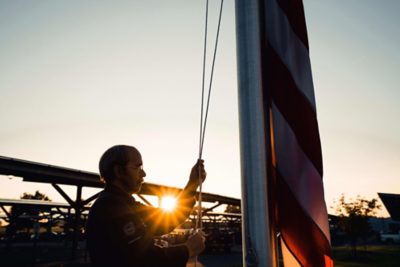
x: 44, y: 173
x: 392, y: 204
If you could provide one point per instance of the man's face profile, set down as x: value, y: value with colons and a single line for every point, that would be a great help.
x: 132, y: 174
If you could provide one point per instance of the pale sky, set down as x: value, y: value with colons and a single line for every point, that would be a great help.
x: 77, y: 77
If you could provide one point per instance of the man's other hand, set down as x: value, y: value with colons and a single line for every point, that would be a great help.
x: 195, y: 243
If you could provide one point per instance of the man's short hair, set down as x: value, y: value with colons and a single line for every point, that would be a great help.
x: 114, y: 156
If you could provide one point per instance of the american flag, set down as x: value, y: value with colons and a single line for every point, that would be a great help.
x: 289, y: 103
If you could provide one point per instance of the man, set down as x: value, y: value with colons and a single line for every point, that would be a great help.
x: 120, y: 231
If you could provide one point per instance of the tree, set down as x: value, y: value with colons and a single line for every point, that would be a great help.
x: 22, y: 217
x: 353, y: 218
x: 233, y: 209
x: 37, y: 195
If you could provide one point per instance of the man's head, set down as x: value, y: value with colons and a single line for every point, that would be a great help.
x: 122, y: 166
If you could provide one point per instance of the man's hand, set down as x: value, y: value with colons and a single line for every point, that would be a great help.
x: 197, y: 172
x: 195, y: 243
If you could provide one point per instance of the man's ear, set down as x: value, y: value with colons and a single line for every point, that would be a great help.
x: 118, y: 171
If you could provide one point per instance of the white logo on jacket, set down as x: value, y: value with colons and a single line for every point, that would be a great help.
x: 129, y: 228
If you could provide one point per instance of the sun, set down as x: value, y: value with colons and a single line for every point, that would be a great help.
x: 168, y: 203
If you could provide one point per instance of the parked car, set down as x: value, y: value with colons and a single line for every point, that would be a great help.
x: 390, y: 238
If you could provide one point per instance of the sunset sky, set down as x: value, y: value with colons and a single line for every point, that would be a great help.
x: 77, y: 77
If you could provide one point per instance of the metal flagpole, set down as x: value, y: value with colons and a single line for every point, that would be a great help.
x: 258, y: 247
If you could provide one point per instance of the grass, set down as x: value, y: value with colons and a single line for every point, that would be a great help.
x: 371, y: 256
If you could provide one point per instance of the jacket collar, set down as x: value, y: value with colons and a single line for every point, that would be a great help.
x: 119, y: 193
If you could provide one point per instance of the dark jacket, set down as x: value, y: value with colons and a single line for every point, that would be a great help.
x: 120, y: 231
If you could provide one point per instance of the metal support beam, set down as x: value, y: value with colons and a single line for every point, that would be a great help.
x: 5, y: 211
x: 213, y: 207
x: 145, y: 200
x: 78, y: 210
x: 77, y: 205
x: 90, y: 199
x: 61, y: 213
x: 68, y: 219
x: 63, y: 194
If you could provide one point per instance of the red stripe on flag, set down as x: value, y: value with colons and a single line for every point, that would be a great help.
x: 293, y: 105
x: 328, y: 261
x: 294, y: 11
x: 301, y: 235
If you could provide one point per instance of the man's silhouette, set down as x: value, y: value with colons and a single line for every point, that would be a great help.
x: 121, y: 231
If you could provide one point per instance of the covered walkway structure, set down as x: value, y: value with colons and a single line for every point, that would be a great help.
x: 43, y: 173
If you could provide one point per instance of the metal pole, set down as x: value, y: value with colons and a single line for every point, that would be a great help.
x: 254, y: 136
x: 78, y: 210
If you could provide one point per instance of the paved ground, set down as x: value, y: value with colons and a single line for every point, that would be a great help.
x: 222, y: 260
x: 58, y: 254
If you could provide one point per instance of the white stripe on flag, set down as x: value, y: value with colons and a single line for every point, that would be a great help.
x: 298, y: 172
x: 290, y: 49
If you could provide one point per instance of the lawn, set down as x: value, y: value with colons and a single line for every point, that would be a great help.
x: 371, y: 256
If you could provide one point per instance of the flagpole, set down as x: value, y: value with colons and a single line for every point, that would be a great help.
x: 258, y: 246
